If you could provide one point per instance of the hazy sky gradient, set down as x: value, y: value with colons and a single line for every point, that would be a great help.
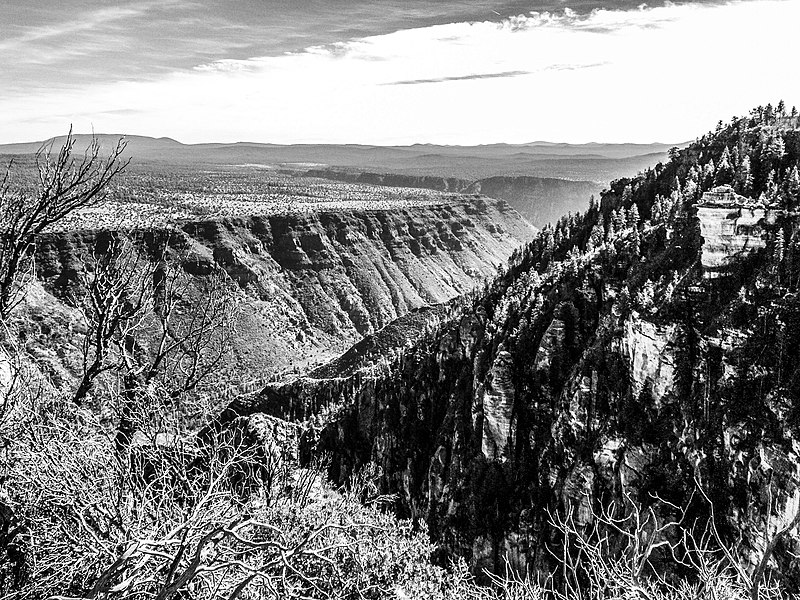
x: 392, y: 72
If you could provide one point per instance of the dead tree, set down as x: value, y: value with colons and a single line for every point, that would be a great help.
x: 161, y: 330
x: 117, y: 298
x: 65, y: 182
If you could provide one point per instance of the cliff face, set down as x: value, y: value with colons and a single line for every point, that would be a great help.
x: 568, y: 402
x: 730, y: 233
x: 541, y: 200
x: 313, y: 284
x: 598, y: 369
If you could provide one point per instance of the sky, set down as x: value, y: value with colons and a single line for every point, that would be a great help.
x: 392, y: 72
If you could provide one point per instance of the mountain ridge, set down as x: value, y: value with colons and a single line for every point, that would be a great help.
x: 605, y: 161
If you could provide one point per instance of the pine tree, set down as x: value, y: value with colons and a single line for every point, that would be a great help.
x: 769, y: 114
x: 770, y: 188
x: 657, y: 212
x: 780, y: 243
x: 619, y: 219
x: 636, y: 243
x: 627, y: 195
x: 633, y: 216
x: 595, y: 237
x: 724, y: 173
x: 610, y: 231
x: 744, y: 178
x: 793, y: 188
x: 549, y: 242
x: 774, y: 149
x: 708, y: 173
x: 646, y: 296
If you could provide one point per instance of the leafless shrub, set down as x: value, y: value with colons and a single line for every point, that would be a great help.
x: 613, y: 556
x: 64, y: 183
x: 97, y: 528
x: 117, y: 297
x: 160, y: 331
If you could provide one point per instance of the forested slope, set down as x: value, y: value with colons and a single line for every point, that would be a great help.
x: 603, y: 367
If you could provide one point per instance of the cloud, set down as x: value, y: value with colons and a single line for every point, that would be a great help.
x: 88, y: 22
x: 560, y: 67
x: 664, y: 73
x: 460, y: 78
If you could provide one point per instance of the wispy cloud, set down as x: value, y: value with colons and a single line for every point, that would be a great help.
x: 460, y: 78
x: 89, y: 21
x: 602, y: 75
x: 576, y: 67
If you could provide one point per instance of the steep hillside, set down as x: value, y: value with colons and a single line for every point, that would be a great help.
x: 614, y: 362
x: 311, y: 283
x: 540, y: 200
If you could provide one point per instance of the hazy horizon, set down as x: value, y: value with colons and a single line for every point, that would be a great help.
x: 410, y: 145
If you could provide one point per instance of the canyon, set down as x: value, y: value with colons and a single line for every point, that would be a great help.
x: 560, y: 388
x: 309, y: 284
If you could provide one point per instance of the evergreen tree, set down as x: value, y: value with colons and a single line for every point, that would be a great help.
x: 646, y: 296
x: 708, y: 173
x: 595, y: 237
x: 744, y: 178
x: 633, y: 216
x: 657, y: 211
x: 549, y: 242
x: 793, y: 189
x: 769, y: 114
x: 724, y: 173
x: 774, y: 149
x: 610, y: 231
x: 636, y: 243
x: 627, y: 195
x: 780, y: 243
x: 619, y: 219
x: 770, y: 188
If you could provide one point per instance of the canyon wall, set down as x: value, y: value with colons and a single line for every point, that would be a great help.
x: 555, y: 393
x: 311, y: 284
x: 541, y: 200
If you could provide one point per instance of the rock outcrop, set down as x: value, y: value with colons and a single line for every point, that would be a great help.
x: 732, y: 227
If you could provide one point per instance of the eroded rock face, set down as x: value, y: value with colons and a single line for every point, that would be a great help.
x: 551, y: 340
x: 731, y: 233
x: 314, y: 283
x: 732, y: 227
x: 481, y: 432
x: 648, y: 349
x: 498, y: 407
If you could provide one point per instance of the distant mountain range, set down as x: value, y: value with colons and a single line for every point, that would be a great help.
x: 593, y: 162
